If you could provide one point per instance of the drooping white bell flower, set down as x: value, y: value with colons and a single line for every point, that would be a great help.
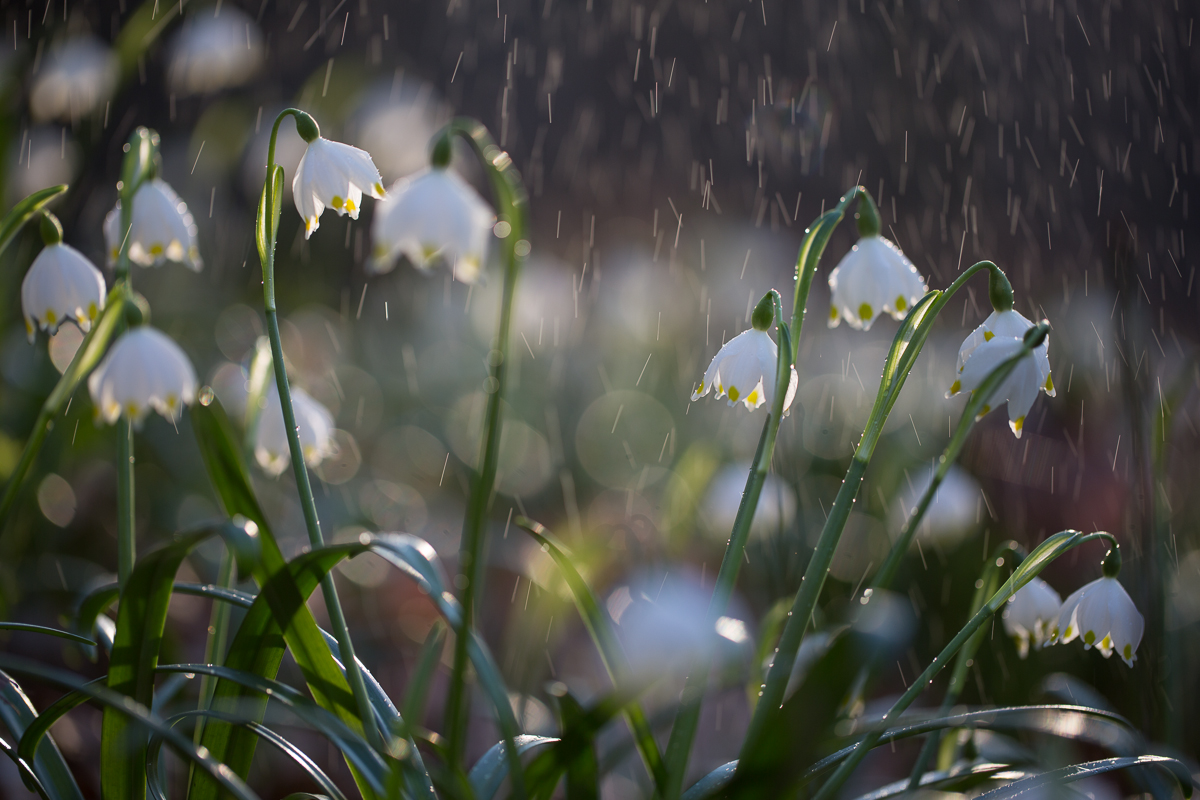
x: 1006, y: 323
x: 1102, y: 615
x: 1031, y: 614
x: 144, y: 370
x: 162, y: 229
x: 76, y: 78
x: 987, y: 348
x: 874, y: 278
x: 61, y: 284
x: 315, y: 425
x: 776, y: 503
x: 744, y: 370
x: 334, y: 175
x: 213, y: 52
x: 434, y: 214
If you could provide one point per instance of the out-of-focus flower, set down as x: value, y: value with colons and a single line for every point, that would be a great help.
x: 78, y: 77
x: 230, y: 382
x: 144, y: 370
x: 1031, y: 614
x: 434, y: 214
x: 999, y: 338
x: 664, y: 626
x: 873, y: 278
x: 61, y: 284
x: 48, y: 157
x: 951, y: 514
x: 744, y: 369
x: 315, y: 425
x: 1103, y: 616
x: 334, y: 175
x: 776, y: 505
x: 213, y: 52
x: 162, y: 229
x: 395, y: 125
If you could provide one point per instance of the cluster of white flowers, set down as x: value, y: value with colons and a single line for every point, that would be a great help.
x: 1100, y: 614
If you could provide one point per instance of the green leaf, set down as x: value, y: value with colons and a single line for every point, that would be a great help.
x: 292, y: 751
x: 13, y: 221
x: 596, y: 620
x: 267, y: 225
x: 583, y: 773
x: 27, y: 628
x: 418, y: 684
x: 95, y: 692
x: 491, y: 769
x: 141, y: 618
x: 712, y: 783
x: 17, y: 714
x: 349, y: 742
x: 1060, y: 777
x: 958, y: 779
x: 262, y: 652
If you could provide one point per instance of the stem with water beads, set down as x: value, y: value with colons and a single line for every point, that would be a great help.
x: 511, y: 228
x: 266, y: 230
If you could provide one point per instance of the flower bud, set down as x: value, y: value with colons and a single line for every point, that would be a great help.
x: 1111, y: 566
x: 868, y: 216
x: 764, y: 313
x: 307, y: 127
x: 1000, y: 291
x: 52, y: 231
x: 439, y: 156
x: 1037, y: 334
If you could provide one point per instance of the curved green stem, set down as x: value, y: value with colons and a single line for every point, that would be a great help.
x: 906, y: 346
x: 687, y: 718
x: 1046, y: 552
x: 987, y: 586
x: 268, y: 223
x: 512, y: 208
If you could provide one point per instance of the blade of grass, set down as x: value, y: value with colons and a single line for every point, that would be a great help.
x: 48, y: 766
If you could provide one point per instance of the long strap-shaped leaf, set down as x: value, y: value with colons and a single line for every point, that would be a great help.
x: 300, y: 635
x: 48, y: 767
x: 292, y: 751
x: 24, y: 210
x: 611, y: 653
x: 1077, y: 772
x: 141, y: 619
x: 93, y: 691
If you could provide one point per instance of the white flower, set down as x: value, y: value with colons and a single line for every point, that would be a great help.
x: 744, y: 369
x: 162, y: 229
x: 61, y: 284
x: 952, y: 513
x: 77, y: 78
x: 873, y: 278
x: 1103, y: 616
x: 144, y: 370
x: 315, y: 425
x: 395, y: 125
x: 776, y: 504
x: 213, y: 52
x: 1031, y: 614
x: 336, y: 175
x: 50, y: 157
x: 434, y: 214
x: 996, y: 340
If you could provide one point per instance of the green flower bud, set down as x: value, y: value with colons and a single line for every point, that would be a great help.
x: 1000, y: 291
x: 307, y: 127
x: 52, y: 232
x: 868, y: 215
x: 764, y: 313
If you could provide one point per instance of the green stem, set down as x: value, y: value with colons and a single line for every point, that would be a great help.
x: 909, y: 341
x: 126, y: 524
x: 687, y: 718
x: 218, y: 633
x: 1046, y: 552
x: 512, y: 202
x: 962, y: 663
x: 308, y: 503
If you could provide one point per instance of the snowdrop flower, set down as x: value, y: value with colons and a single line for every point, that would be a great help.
x: 61, y: 284
x: 213, y: 52
x: 744, y: 368
x: 162, y: 229
x: 776, y: 504
x: 144, y: 370
x: 79, y: 77
x: 315, y: 424
x: 999, y: 338
x: 395, y: 124
x: 1103, y: 616
x: 434, y: 214
x: 333, y: 175
x: 872, y: 279
x: 1031, y: 614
